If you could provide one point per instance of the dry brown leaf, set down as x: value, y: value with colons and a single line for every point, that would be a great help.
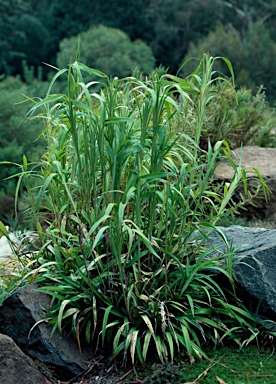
x: 201, y: 376
x: 138, y: 380
x: 125, y: 375
x: 220, y: 380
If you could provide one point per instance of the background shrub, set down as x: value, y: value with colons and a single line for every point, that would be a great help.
x: 238, y: 116
x: 18, y: 135
x: 251, y: 55
x: 109, y: 50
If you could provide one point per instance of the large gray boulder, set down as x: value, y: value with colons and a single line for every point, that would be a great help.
x: 254, y: 267
x: 264, y: 159
x: 18, y: 315
x: 15, y: 366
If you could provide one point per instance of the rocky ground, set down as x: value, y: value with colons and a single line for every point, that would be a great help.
x: 100, y: 371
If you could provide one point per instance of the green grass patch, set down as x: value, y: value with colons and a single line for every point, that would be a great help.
x: 232, y: 366
x: 225, y: 365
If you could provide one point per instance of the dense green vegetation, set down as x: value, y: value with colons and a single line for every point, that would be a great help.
x: 115, y: 163
x: 252, y: 55
x: 109, y: 50
x: 122, y: 201
x: 119, y: 36
x: 32, y: 30
x: 18, y: 136
x: 225, y: 365
x: 238, y: 115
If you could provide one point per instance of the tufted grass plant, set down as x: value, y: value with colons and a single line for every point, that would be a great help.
x: 122, y: 202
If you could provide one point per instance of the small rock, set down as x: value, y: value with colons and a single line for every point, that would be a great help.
x: 20, y: 312
x: 15, y: 366
x: 254, y: 268
x: 264, y: 159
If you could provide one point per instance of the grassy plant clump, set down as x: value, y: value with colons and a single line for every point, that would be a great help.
x: 240, y: 117
x: 237, y: 116
x: 10, y: 279
x: 122, y: 200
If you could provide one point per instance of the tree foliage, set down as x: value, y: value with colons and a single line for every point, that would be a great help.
x: 9, y: 34
x: 32, y: 30
x: 252, y: 56
x: 18, y: 135
x: 22, y: 36
x: 175, y: 25
x: 109, y: 50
